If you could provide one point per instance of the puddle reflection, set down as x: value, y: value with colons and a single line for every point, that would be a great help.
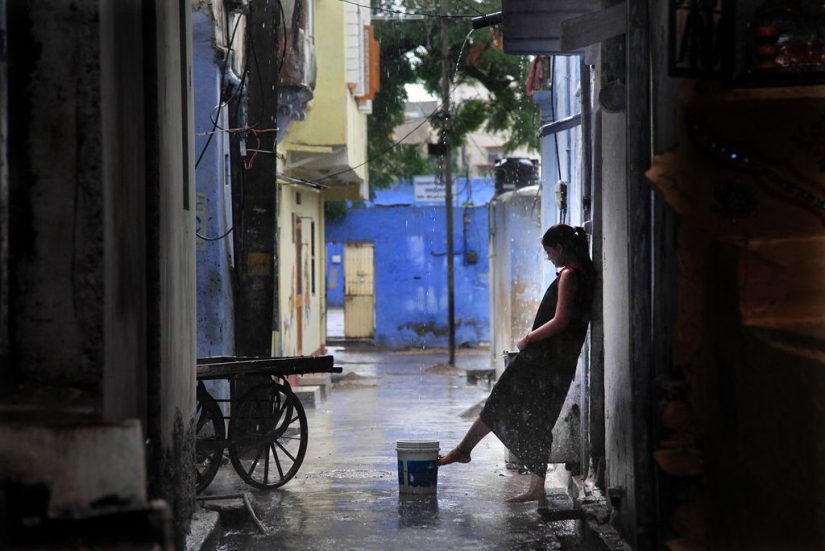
x: 416, y: 511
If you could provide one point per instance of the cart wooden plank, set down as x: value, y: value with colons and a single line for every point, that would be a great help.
x: 223, y: 367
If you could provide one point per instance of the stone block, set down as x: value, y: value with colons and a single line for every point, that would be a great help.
x: 310, y: 396
x: 485, y: 376
x: 322, y: 380
x: 81, y: 464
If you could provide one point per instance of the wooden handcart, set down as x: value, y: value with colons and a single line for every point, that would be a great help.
x: 267, y: 434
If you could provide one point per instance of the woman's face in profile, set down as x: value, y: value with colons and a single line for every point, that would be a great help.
x: 554, y: 254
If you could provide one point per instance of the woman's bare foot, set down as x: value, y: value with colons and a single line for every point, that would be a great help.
x: 535, y: 493
x: 454, y: 456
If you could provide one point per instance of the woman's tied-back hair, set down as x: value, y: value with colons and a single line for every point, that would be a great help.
x: 574, y: 242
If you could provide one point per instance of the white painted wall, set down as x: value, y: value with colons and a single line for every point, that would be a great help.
x: 618, y: 371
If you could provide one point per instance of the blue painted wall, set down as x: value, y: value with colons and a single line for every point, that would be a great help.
x: 476, y: 191
x: 411, y: 265
x: 215, y: 303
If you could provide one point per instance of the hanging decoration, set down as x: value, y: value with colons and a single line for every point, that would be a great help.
x: 701, y: 38
x: 745, y: 44
x: 734, y: 200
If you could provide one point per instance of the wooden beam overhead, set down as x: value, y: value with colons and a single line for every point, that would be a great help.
x: 535, y: 26
x: 592, y: 28
x: 550, y: 6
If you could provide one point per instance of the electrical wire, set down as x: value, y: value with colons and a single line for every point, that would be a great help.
x: 553, y: 110
x: 216, y: 238
x: 235, y: 94
x: 219, y: 107
x: 247, y: 129
x: 386, y: 10
x: 400, y: 141
x: 394, y: 145
x: 214, y: 120
x: 251, y: 128
x: 223, y: 76
x: 283, y: 26
x: 563, y: 205
x: 472, y: 7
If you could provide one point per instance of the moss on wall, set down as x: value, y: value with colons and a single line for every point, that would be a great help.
x: 175, y: 480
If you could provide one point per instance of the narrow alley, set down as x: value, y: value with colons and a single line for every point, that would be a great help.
x: 346, y: 494
x: 188, y: 186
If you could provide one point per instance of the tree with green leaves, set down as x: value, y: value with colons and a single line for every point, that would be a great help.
x: 411, y: 53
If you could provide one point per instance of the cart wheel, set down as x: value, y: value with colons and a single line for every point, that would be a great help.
x: 210, y: 435
x: 268, y: 436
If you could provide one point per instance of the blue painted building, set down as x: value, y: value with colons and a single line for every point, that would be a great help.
x: 409, y: 236
x: 215, y: 256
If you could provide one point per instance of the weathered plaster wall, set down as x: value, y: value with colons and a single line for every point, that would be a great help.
x: 5, y: 374
x: 618, y: 371
x: 55, y: 189
x: 102, y: 249
x: 213, y: 211
x: 124, y: 171
x: 82, y: 465
x: 516, y: 275
x: 301, y: 281
x: 411, y: 272
x: 171, y: 243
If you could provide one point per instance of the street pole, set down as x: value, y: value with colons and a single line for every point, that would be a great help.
x: 256, y: 291
x: 448, y: 177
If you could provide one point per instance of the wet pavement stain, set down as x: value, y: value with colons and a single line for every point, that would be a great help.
x: 346, y: 493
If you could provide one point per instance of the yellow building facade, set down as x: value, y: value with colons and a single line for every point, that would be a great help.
x: 322, y: 156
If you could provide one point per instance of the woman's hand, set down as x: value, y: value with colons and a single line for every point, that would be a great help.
x: 522, y: 343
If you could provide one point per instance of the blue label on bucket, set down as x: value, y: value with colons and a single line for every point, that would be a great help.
x: 421, y: 473
x: 400, y: 473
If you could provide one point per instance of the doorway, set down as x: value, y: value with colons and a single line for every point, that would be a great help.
x: 359, y: 291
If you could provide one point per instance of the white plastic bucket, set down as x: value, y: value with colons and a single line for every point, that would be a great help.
x: 417, y: 471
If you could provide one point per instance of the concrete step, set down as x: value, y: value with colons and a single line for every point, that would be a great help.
x: 323, y: 380
x: 310, y: 396
x: 482, y: 377
x: 204, y: 532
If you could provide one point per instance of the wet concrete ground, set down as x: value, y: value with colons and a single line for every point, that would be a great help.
x: 346, y: 494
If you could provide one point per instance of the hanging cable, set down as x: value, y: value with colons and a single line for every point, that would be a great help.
x: 386, y: 10
x: 223, y: 77
x: 553, y: 109
x: 219, y: 107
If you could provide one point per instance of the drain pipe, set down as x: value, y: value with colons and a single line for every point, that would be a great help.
x: 487, y: 20
x: 560, y: 125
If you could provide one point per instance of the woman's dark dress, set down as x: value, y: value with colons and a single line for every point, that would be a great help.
x: 526, y: 401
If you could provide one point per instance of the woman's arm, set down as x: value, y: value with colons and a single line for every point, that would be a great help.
x: 568, y: 285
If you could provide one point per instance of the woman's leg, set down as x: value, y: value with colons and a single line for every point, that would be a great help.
x: 535, y: 493
x: 461, y: 453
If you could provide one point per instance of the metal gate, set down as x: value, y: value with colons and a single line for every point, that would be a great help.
x: 359, y: 291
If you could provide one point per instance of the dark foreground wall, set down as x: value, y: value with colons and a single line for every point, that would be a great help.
x: 98, y: 355
x: 742, y: 407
